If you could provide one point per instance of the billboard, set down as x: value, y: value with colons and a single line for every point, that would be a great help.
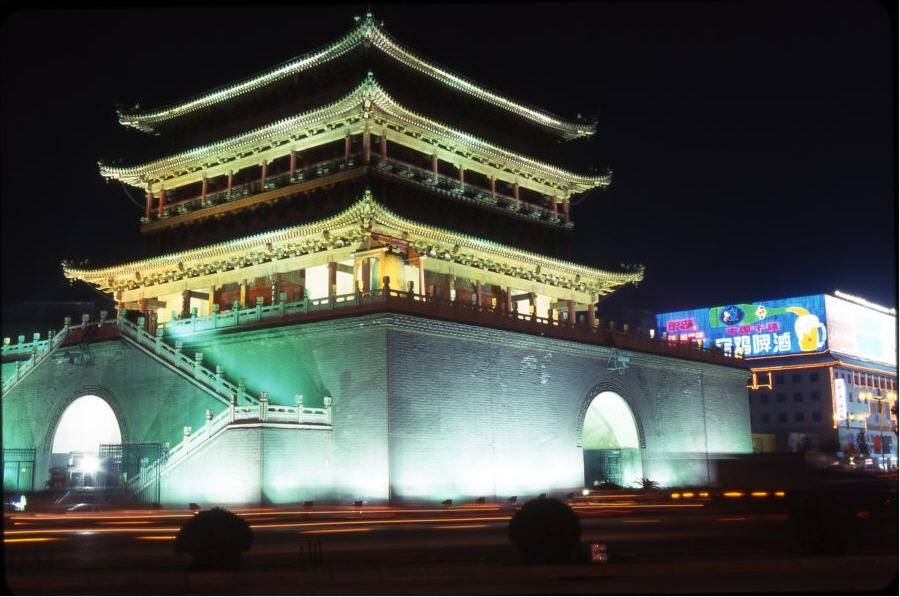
x: 860, y: 332
x: 758, y: 329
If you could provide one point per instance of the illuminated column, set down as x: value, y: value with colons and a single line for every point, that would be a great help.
x: 478, y: 292
x: 367, y: 147
x: 553, y: 206
x: 532, y: 303
x: 451, y: 288
x: 516, y: 192
x: 383, y: 145
x: 462, y: 176
x: 262, y: 178
x: 493, y: 187
x: 332, y: 277
x: 244, y: 293
x: 434, y: 167
x: 591, y: 315
x: 203, y: 188
x: 149, y: 205
x: 366, y: 274
x: 230, y: 180
x: 293, y: 163
x: 570, y: 309
x: 162, y: 201
x: 566, y: 209
x: 347, y: 147
x: 422, y: 275
x: 142, y: 306
x: 508, y: 299
x: 212, y: 298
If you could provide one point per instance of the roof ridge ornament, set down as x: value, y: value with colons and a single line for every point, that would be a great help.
x: 368, y: 210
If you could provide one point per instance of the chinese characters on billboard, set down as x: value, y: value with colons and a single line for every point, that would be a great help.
x: 860, y: 332
x: 764, y: 328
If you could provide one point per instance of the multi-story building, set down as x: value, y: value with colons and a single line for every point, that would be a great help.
x: 358, y: 288
x: 824, y: 371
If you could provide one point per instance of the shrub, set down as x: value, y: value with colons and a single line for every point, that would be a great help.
x: 215, y: 538
x: 649, y: 484
x: 545, y: 531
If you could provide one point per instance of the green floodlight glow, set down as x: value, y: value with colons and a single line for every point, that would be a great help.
x: 85, y: 424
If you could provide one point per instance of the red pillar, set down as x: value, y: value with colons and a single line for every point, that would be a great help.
x: 347, y: 147
x: 383, y: 146
x: 478, y: 292
x: 570, y: 308
x: 230, y: 180
x: 366, y: 274
x: 149, y: 205
x: 293, y: 163
x: 566, y: 210
x: 591, y: 316
x: 262, y: 179
x: 509, y: 299
x: 203, y: 188
x: 332, y: 277
x: 186, y: 303
x: 367, y: 148
x: 434, y: 168
x: 162, y: 201
x: 553, y: 206
x: 516, y: 191
x: 493, y: 187
x: 462, y: 175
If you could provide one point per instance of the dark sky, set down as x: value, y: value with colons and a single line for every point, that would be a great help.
x: 753, y: 144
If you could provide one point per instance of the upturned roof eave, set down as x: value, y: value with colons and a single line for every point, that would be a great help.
x: 367, y: 90
x: 366, y: 209
x: 366, y: 32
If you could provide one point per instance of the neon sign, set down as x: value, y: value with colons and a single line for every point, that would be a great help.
x: 763, y: 328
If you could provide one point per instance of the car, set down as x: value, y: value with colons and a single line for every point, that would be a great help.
x: 85, y: 508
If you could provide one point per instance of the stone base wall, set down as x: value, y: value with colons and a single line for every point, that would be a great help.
x: 423, y: 410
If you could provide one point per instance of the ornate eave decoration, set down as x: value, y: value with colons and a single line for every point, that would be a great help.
x: 348, y: 229
x: 368, y: 100
x: 369, y: 33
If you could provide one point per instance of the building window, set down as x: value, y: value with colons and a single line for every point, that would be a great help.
x: 763, y: 398
x: 816, y: 416
x: 815, y: 396
x: 798, y: 417
x: 849, y: 396
x: 795, y: 378
x: 765, y: 418
x: 779, y: 397
x: 814, y: 376
x: 798, y: 396
x: 782, y: 417
x: 779, y: 378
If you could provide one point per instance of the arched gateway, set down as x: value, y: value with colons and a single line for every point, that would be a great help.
x: 611, y: 442
x: 87, y: 422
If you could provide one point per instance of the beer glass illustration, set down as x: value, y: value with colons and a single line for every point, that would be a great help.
x: 810, y: 332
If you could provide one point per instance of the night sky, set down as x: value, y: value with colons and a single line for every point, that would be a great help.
x: 753, y: 145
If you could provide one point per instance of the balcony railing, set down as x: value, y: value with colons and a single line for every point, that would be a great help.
x: 439, y: 308
x: 391, y: 167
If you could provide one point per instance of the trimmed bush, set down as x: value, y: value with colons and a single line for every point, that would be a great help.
x: 215, y: 538
x: 545, y: 531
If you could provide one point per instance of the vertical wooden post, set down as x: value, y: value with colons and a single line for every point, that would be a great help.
x: 553, y: 206
x: 149, y: 205
x: 434, y: 167
x: 262, y: 178
x: 203, y: 188
x: 462, y: 176
x: 366, y: 274
x: 570, y: 308
x: 230, y: 180
x: 162, y: 201
x: 332, y: 277
x: 478, y: 292
x: 244, y: 293
x: 591, y: 315
x: 185, y: 303
x: 516, y: 191
x: 565, y: 207
x: 509, y: 299
x: 367, y: 147
x: 347, y: 146
x: 383, y: 145
x: 493, y: 187
x: 293, y: 163
x: 422, y: 275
